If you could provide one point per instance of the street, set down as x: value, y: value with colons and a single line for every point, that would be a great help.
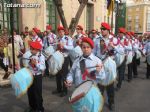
x: 132, y: 97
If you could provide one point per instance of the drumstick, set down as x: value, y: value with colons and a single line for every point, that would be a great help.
x: 91, y: 67
x: 26, y: 58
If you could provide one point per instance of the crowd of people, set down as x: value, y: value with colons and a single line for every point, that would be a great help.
x: 125, y: 49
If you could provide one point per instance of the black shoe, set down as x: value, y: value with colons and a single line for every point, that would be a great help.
x: 135, y: 76
x: 63, y: 94
x: 29, y: 110
x: 6, y: 75
x: 56, y: 92
x: 111, y: 107
x: 129, y: 80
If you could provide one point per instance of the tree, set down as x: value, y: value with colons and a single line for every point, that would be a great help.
x: 74, y: 21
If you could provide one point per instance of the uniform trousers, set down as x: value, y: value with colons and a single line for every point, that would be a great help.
x: 134, y: 65
x: 35, y: 94
x: 148, y: 71
x: 121, y: 72
x: 61, y: 76
x: 110, y: 92
x: 130, y: 71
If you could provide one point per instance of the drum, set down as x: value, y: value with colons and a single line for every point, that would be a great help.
x: 75, y: 53
x: 86, y: 98
x: 55, y: 62
x: 21, y: 81
x: 25, y: 59
x: 110, y: 71
x: 138, y: 54
x: 48, y: 51
x: 129, y: 58
x: 119, y: 58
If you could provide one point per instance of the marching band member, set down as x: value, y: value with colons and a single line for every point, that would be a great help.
x: 94, y: 35
x: 80, y: 72
x: 123, y: 44
x: 37, y: 67
x: 51, y: 37
x: 135, y: 47
x: 146, y: 51
x: 129, y: 53
x: 65, y: 43
x: 35, y: 37
x: 100, y: 51
x: 77, y: 38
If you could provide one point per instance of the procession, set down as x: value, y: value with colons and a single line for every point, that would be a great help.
x: 89, y: 67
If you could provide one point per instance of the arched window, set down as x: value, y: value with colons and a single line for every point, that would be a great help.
x: 5, y: 16
x: 51, y: 14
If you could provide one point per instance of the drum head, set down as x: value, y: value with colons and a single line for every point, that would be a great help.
x: 82, y: 88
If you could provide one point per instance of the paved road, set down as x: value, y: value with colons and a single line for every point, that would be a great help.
x: 133, y: 97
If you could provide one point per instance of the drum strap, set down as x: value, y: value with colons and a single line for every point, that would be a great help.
x: 47, y: 41
x: 82, y: 66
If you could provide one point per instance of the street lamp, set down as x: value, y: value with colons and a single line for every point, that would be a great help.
x: 12, y: 28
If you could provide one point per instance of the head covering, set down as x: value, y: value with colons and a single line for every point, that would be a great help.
x: 79, y: 27
x: 122, y: 30
x: 36, y: 45
x: 132, y: 33
x: 106, y: 25
x: 94, y: 31
x: 89, y: 41
x: 36, y: 30
x: 60, y: 28
x: 48, y: 27
x: 128, y: 33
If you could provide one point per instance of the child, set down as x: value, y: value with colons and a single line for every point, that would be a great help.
x: 37, y: 67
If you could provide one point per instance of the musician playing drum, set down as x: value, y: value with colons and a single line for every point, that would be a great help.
x: 102, y: 46
x: 65, y: 43
x: 36, y: 66
x: 86, y: 67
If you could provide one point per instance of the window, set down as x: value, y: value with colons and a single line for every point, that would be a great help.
x: 148, y: 21
x: 136, y: 19
x: 137, y: 9
x: 5, y: 16
x: 89, y: 17
x: 51, y: 14
x: 129, y: 18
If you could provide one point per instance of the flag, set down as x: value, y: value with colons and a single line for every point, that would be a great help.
x: 110, y: 6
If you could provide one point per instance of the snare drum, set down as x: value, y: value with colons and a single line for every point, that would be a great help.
x: 110, y: 70
x: 55, y: 62
x: 86, y: 98
x: 21, y: 81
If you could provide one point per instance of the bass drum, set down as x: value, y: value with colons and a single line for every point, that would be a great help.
x: 119, y: 59
x: 55, y: 62
x: 48, y: 51
x: 25, y: 59
x: 75, y: 53
x: 21, y: 81
x: 129, y: 58
x: 138, y: 54
x: 110, y: 71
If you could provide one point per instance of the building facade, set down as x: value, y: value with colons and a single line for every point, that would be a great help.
x: 94, y: 13
x: 138, y: 17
